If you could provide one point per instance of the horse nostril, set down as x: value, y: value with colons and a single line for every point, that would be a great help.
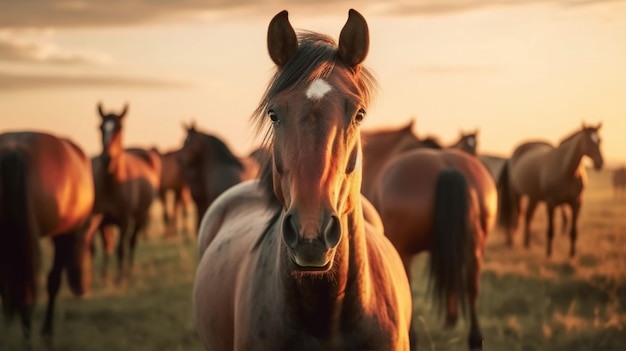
x: 332, y: 232
x: 291, y: 230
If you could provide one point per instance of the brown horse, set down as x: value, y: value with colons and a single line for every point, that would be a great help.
x: 46, y: 190
x: 294, y: 265
x: 210, y: 167
x: 126, y: 182
x: 380, y: 145
x: 439, y: 200
x: 173, y: 179
x: 619, y: 182
x: 543, y: 172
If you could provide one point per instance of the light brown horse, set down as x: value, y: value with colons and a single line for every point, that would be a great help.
x: 46, y: 191
x: 126, y: 182
x: 173, y: 179
x: 210, y: 167
x: 555, y: 175
x: 619, y: 182
x: 294, y: 265
x: 439, y: 200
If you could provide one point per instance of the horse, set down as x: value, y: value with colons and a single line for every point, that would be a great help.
x: 173, y: 179
x: 210, y: 167
x: 468, y: 142
x: 46, y: 191
x: 126, y: 182
x: 619, y: 182
x: 379, y: 145
x: 543, y: 172
x: 441, y: 200
x: 290, y: 262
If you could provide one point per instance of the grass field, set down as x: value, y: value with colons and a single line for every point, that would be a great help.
x: 527, y: 302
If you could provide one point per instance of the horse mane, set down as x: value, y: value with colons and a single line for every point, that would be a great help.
x: 572, y: 136
x: 221, y: 151
x: 315, y: 58
x: 432, y: 142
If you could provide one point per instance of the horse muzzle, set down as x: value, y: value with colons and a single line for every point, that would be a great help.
x: 311, y: 245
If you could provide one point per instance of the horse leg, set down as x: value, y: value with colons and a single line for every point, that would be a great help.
x: 475, y: 335
x: 573, y: 234
x: 530, y: 209
x: 163, y: 198
x: 407, y: 260
x: 54, y: 283
x: 106, y: 234
x: 140, y: 224
x: 550, y: 213
x: 121, y: 248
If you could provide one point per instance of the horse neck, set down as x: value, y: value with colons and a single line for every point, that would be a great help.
x: 569, y: 154
x: 333, y: 296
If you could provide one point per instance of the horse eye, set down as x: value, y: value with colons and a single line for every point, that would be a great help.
x: 273, y: 116
x: 359, y: 116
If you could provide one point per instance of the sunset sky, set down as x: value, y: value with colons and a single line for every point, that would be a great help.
x: 515, y: 69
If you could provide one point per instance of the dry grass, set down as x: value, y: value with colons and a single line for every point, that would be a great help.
x: 527, y: 302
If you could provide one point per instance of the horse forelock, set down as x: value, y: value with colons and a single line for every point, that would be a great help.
x: 316, y: 58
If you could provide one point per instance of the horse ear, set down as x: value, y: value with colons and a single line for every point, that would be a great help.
x: 354, y: 40
x: 583, y: 124
x: 100, y: 110
x: 124, y: 110
x: 409, y: 126
x: 282, y: 41
x: 599, y: 125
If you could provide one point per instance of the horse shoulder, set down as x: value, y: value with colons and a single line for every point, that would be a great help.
x: 228, y: 213
x: 227, y: 234
x: 389, y: 282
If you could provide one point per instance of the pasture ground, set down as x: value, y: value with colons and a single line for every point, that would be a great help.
x: 527, y: 302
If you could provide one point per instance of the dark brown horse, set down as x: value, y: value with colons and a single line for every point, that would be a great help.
x: 439, y: 200
x: 619, y: 182
x: 543, y: 172
x: 468, y: 142
x: 173, y: 179
x: 126, y: 182
x: 294, y: 265
x: 210, y: 167
x: 46, y: 190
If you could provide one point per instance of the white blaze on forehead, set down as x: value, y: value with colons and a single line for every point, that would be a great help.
x: 108, y: 130
x: 108, y: 126
x: 318, y: 89
x: 594, y: 137
x: 471, y: 141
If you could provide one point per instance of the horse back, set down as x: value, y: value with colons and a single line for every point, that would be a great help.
x: 59, y: 183
x: 525, y: 167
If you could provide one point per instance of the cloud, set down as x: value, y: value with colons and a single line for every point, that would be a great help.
x: 36, y: 46
x: 98, y: 13
x: 12, y: 82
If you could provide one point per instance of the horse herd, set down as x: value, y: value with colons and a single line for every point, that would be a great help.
x: 305, y: 244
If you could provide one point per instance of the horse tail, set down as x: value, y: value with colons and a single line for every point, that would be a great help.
x: 19, y: 243
x: 452, y: 260
x: 508, y: 201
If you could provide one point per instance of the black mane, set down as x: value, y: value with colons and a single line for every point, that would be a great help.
x: 221, y: 151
